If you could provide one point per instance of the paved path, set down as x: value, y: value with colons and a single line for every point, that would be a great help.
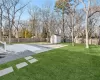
x: 28, y: 51
x: 10, y: 56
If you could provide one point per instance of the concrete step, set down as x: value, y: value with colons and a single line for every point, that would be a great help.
x: 2, y: 55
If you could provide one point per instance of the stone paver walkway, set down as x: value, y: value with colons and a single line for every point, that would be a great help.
x: 6, y: 71
x: 21, y: 65
x: 29, y: 57
x: 32, y: 61
x: 10, y: 56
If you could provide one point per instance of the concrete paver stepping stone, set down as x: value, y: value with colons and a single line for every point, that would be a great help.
x: 21, y: 65
x: 29, y: 57
x: 6, y: 71
x: 32, y: 61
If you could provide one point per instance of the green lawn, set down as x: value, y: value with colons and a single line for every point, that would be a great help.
x: 68, y: 63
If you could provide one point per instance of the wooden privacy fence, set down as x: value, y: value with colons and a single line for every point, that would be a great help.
x: 94, y: 41
x: 23, y: 40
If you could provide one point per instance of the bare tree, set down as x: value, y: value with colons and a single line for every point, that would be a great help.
x: 62, y: 6
x: 1, y: 20
x: 90, y: 11
x: 11, y: 9
x: 34, y: 13
x: 45, y: 18
x: 17, y: 24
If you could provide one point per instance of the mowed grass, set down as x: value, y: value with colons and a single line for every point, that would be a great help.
x: 68, y: 63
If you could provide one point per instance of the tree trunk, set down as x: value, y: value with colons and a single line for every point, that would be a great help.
x: 63, y: 26
x: 18, y: 36
x: 0, y: 34
x: 72, y: 30
x: 72, y: 36
x: 1, y: 12
x: 10, y: 36
x: 87, y: 37
x: 18, y: 39
x: 48, y: 40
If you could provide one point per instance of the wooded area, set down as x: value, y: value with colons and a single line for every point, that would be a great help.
x: 66, y: 19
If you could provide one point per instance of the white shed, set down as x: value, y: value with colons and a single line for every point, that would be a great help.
x: 55, y: 39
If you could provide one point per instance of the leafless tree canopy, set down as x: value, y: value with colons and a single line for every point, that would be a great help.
x: 66, y: 19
